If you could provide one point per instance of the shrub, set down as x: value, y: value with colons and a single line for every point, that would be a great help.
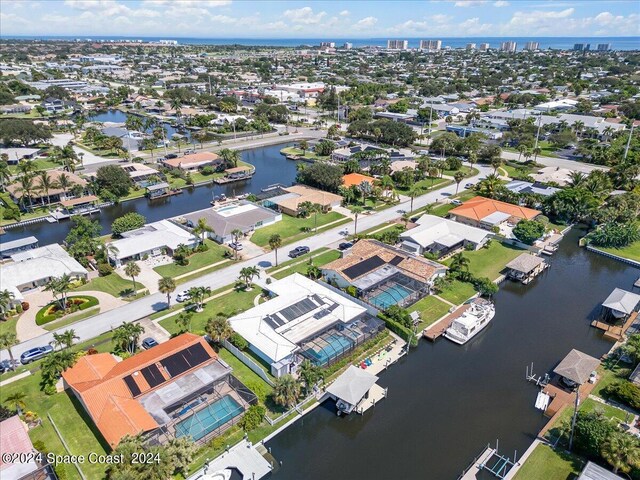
x: 237, y: 341
x: 19, y: 308
x: 129, y: 221
x: 528, y: 231
x: 207, y: 170
x: 25, y: 306
x: 105, y: 269
x: 400, y: 330
x: 626, y: 393
x: 252, y: 417
x: 351, y: 290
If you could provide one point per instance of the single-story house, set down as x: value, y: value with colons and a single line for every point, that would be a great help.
x: 55, y: 194
x: 195, y: 161
x: 557, y: 175
x: 525, y: 267
x: 487, y: 213
x: 158, y: 392
x: 305, y: 320
x: 33, y: 268
x: 345, y: 153
x: 357, y: 179
x: 593, y: 471
x: 14, y: 155
x: 383, y: 275
x: 243, y: 215
x: 520, y: 186
x: 442, y: 236
x: 153, y: 239
x: 290, y: 200
x: 140, y: 173
x: 15, y: 441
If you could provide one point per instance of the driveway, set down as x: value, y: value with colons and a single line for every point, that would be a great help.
x: 88, y: 158
x: 148, y: 276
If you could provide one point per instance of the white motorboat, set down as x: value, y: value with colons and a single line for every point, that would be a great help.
x: 471, y: 322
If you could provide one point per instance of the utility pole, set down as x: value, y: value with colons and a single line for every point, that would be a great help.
x: 575, y: 415
x: 626, y: 150
x: 538, y: 132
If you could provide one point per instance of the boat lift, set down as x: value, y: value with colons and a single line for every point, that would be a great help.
x: 489, y: 460
x: 540, y: 381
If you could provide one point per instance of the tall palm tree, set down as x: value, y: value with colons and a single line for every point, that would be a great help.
x: 576, y: 179
x: 202, y: 228
x: 126, y: 336
x: 414, y: 191
x: 458, y: 177
x: 231, y: 157
x: 7, y: 341
x: 132, y: 270
x: 622, y: 451
x: 286, y: 391
x: 176, y: 104
x: 46, y: 183
x: 6, y: 298
x: 16, y: 400
x: 356, y: 210
x: 26, y: 187
x: 26, y: 167
x: 218, y: 328
x: 247, y: 274
x: 68, y: 337
x: 65, y: 182
x: 275, y: 242
x: 167, y: 286
x: 459, y: 263
x: 236, y: 233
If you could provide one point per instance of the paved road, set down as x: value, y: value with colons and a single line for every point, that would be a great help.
x: 103, y: 322
x: 559, y: 162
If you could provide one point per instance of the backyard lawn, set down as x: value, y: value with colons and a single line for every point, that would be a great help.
x: 458, y: 292
x: 243, y: 373
x: 302, y: 267
x: 39, y: 164
x: 489, y: 262
x: 215, y: 254
x: 631, y: 251
x: 9, y: 325
x: 229, y: 304
x: 112, y: 284
x: 431, y: 309
x: 549, y: 464
x: 308, y: 154
x: 292, y: 228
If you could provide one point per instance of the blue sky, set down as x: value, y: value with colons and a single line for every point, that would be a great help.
x: 321, y: 19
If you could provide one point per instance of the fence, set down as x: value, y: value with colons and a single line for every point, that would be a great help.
x: 298, y: 408
x: 255, y: 368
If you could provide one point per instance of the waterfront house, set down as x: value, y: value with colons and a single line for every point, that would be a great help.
x: 305, y: 320
x: 345, y: 153
x: 153, y: 239
x: 175, y: 389
x: 593, y: 471
x: 195, y: 161
x: 525, y: 267
x: 357, y: 179
x: 383, y: 275
x: 491, y: 214
x: 288, y: 199
x: 33, y: 268
x: 224, y: 219
x: 442, y: 236
x: 55, y: 194
x: 141, y: 173
x: 620, y: 305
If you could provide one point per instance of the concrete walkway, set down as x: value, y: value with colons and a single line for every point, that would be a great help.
x: 26, y: 327
x: 148, y: 277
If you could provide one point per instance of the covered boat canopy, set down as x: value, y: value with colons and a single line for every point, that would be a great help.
x: 577, y: 367
x: 621, y: 302
x: 352, y: 385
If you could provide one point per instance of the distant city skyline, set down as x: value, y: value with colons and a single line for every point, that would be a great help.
x: 320, y: 19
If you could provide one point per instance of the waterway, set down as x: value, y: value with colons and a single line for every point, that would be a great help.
x: 445, y: 401
x: 118, y: 116
x: 271, y: 167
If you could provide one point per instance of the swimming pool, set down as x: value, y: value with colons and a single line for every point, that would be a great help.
x: 337, y: 345
x: 391, y: 296
x: 209, y: 418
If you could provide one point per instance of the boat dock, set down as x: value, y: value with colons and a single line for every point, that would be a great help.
x: 236, y: 174
x: 376, y: 394
x: 438, y: 328
x: 615, y: 332
x: 489, y: 460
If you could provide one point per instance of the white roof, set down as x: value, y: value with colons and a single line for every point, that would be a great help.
x: 432, y: 229
x: 20, y: 242
x: 622, y: 301
x: 352, y: 385
x: 274, y: 334
x: 242, y: 456
x: 37, y: 264
x: 151, y: 236
x: 496, y: 218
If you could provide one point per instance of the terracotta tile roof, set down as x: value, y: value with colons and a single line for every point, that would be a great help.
x: 13, y: 439
x: 356, y: 179
x: 54, y: 175
x: 415, y: 267
x: 308, y: 194
x: 199, y: 158
x: 99, y: 382
x: 478, y: 208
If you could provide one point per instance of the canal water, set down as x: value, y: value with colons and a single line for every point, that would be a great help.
x: 117, y: 116
x: 445, y: 401
x: 271, y: 167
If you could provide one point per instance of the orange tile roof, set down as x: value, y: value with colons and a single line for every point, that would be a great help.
x: 478, y: 208
x: 98, y: 380
x: 356, y: 179
x: 193, y: 159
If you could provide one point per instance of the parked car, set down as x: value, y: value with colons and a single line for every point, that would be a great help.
x: 5, y: 365
x: 189, y: 152
x: 469, y: 185
x: 456, y: 202
x: 183, y: 296
x: 148, y: 343
x: 345, y: 245
x: 36, y: 353
x: 237, y: 246
x: 296, y: 252
x: 169, y: 156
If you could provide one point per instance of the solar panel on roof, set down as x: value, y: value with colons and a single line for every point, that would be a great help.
x: 396, y: 260
x: 271, y: 321
x: 185, y: 359
x: 298, y: 309
x: 132, y: 385
x: 152, y: 375
x: 363, y: 267
x: 196, y: 354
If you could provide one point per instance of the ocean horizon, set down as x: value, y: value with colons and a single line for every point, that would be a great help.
x: 558, y: 43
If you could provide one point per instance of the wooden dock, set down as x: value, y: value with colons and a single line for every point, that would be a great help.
x: 562, y: 396
x: 615, y: 332
x: 376, y: 394
x: 438, y: 328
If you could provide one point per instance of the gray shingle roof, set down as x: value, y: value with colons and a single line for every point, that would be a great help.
x: 577, y: 366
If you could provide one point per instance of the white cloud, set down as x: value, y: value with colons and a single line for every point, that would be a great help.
x: 469, y: 3
x: 541, y: 20
x: 440, y: 18
x: 501, y: 3
x: 344, y: 13
x: 304, y: 16
x: 473, y: 26
x: 365, y: 23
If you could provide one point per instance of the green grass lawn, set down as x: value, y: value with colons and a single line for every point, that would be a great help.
x: 243, y: 373
x: 631, y: 251
x: 431, y: 309
x: 609, y: 376
x: 302, y: 267
x: 292, y: 228
x: 112, y: 284
x: 309, y: 154
x: 427, y: 184
x: 468, y: 171
x: 549, y: 464
x: 458, y: 292
x: 9, y: 325
x: 590, y: 405
x: 230, y: 304
x: 70, y: 319
x: 489, y: 262
x: 197, y: 260
x: 39, y: 165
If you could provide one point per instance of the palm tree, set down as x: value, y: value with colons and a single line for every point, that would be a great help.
x: 184, y: 321
x: 621, y: 451
x: 132, y: 270
x: 167, y: 286
x: 314, y: 272
x: 459, y: 263
x: 5, y: 173
x: 576, y: 179
x: 218, y: 328
x: 198, y: 295
x: 16, y: 400
x: 231, y: 157
x: 202, y: 228
x: 26, y: 187
x: 236, y: 234
x: 6, y: 299
x: 65, y: 339
x: 496, y: 163
x: 126, y: 336
x: 458, y: 177
x: 247, y: 274
x: 176, y: 104
x: 304, y: 146
x: 286, y: 391
x: 536, y: 151
x: 65, y: 182
x: 356, y: 210
x: 8, y: 340
x: 46, y: 182
x: 275, y: 242
x: 414, y: 191
x: 59, y: 286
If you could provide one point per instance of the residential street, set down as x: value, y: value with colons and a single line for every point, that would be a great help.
x: 139, y: 309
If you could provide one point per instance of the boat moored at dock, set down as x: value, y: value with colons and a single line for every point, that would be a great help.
x: 471, y: 322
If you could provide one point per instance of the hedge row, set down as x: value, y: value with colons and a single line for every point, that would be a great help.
x: 403, y: 332
x: 42, y: 319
